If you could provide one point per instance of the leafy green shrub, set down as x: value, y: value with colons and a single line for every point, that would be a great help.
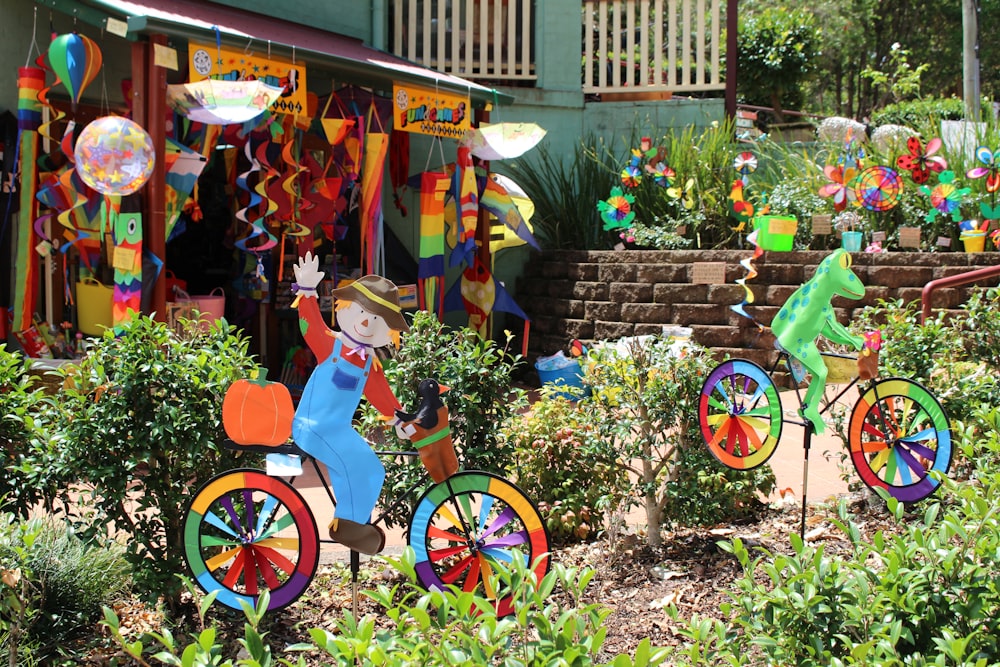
x: 920, y: 113
x: 924, y: 595
x: 644, y: 408
x: 140, y: 426
x: 945, y: 356
x: 552, y: 466
x: 21, y: 430
x: 449, y: 627
x: 70, y: 580
x: 481, y: 399
x: 980, y: 327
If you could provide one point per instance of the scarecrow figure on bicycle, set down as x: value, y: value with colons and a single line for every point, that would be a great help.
x: 369, y: 316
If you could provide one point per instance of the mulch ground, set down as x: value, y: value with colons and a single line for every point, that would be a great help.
x: 634, y: 581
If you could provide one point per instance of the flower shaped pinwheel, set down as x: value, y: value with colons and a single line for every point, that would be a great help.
x: 946, y: 197
x: 920, y: 161
x: 616, y: 210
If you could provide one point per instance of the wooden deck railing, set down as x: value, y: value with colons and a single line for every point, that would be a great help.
x: 652, y: 45
x: 629, y: 45
x: 474, y: 39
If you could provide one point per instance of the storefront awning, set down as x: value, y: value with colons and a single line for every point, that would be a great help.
x: 346, y: 59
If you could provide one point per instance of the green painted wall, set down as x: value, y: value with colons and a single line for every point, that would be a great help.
x: 346, y: 17
x: 556, y: 102
x: 16, y: 50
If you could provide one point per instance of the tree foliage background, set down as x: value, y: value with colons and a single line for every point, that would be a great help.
x: 847, y: 38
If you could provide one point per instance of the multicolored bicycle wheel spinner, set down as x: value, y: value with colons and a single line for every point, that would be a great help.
x: 463, y: 527
x: 740, y: 414
x: 898, y: 434
x: 246, y: 532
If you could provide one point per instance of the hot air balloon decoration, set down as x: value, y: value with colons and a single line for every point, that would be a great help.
x: 76, y: 60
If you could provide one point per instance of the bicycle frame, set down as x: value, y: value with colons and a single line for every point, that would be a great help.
x: 293, y: 449
x: 783, y: 356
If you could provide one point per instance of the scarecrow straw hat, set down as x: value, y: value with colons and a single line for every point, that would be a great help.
x: 379, y: 296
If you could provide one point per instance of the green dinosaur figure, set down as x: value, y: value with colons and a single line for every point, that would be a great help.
x: 808, y: 314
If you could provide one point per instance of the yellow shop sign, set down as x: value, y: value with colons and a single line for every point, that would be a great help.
x: 427, y: 111
x: 210, y: 62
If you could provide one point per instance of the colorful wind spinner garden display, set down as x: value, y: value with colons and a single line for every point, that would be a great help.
x: 617, y: 211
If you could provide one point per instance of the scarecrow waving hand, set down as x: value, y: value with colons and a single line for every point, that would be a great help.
x: 368, y: 316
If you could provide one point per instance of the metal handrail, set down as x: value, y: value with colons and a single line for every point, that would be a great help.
x: 952, y: 281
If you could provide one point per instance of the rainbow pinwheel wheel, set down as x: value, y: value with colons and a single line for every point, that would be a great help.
x: 661, y: 173
x: 684, y: 194
x: 878, y: 188
x: 920, y: 161
x: 946, y: 197
x: 632, y: 174
x: 616, y: 210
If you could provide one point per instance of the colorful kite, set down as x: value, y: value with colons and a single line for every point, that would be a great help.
x: 479, y: 293
x: 466, y: 197
x: 495, y: 198
x: 30, y: 82
x: 430, y: 267
x: 127, y: 263
x: 183, y: 167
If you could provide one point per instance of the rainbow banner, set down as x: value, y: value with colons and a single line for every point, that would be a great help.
x: 30, y: 82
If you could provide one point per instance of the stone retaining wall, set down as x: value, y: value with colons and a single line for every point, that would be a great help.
x: 606, y: 295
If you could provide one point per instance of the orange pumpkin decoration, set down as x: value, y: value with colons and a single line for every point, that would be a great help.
x: 258, y: 412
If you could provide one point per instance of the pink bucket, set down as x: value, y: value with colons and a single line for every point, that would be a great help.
x: 212, y: 306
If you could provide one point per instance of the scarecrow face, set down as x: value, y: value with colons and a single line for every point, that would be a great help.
x: 364, y: 326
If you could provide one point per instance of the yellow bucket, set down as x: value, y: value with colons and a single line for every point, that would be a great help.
x: 93, y: 306
x: 840, y: 369
x: 974, y: 242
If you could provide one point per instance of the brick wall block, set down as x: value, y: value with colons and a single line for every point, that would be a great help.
x: 616, y: 273
x: 612, y: 330
x: 601, y: 310
x: 680, y: 293
x: 645, y: 312
x: 589, y: 291
x: 661, y: 273
x: 898, y: 276
x: 630, y: 292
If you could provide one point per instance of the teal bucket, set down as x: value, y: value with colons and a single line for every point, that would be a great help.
x: 570, y: 376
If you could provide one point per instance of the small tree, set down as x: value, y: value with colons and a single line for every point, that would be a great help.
x: 644, y: 407
x: 140, y: 422
x: 481, y: 399
x: 21, y: 431
x: 776, y: 50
